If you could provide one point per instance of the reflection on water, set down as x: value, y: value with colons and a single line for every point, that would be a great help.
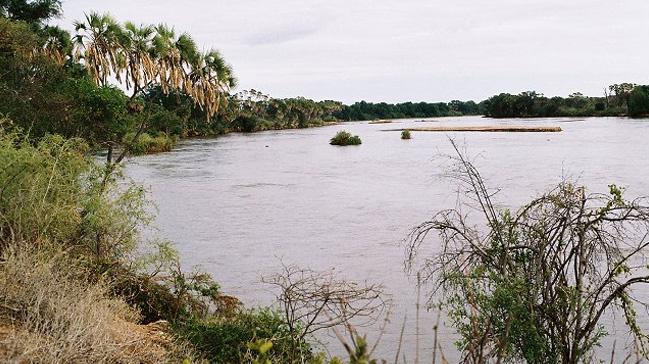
x: 238, y: 204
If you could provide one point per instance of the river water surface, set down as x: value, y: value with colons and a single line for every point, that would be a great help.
x: 240, y: 205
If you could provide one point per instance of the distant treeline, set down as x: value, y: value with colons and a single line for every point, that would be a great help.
x: 619, y: 100
x: 370, y: 111
x: 624, y: 99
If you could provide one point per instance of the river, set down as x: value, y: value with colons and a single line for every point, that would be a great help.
x: 241, y: 205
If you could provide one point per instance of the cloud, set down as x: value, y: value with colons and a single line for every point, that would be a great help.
x: 284, y: 34
x: 382, y: 50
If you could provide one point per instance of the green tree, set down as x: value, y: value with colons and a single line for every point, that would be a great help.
x: 97, y: 45
x: 43, y: 96
x: 622, y: 93
x: 136, y: 43
x: 639, y: 102
x: 34, y: 11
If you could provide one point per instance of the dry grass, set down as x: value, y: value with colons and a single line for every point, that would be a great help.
x: 496, y: 128
x: 381, y: 122
x: 51, y: 314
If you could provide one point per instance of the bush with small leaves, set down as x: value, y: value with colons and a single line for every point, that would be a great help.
x: 147, y: 144
x: 537, y: 287
x: 345, y: 138
x: 230, y: 340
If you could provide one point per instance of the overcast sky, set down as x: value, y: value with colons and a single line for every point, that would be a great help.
x: 409, y: 50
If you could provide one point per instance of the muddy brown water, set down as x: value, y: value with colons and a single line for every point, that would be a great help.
x: 240, y: 205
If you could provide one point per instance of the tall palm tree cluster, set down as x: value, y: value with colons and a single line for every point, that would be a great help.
x: 140, y: 56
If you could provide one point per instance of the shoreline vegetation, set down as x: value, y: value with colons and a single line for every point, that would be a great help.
x: 80, y: 282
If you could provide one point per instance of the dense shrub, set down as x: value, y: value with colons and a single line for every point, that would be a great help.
x: 54, y: 190
x: 226, y: 340
x: 147, y: 144
x: 56, y: 198
x: 97, y: 113
x: 345, y: 138
x: 405, y: 134
x: 247, y: 123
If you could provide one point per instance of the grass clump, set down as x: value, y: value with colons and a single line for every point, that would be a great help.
x: 53, y: 313
x: 345, y: 138
x: 405, y: 134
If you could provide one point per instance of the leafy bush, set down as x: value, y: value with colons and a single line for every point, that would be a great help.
x: 345, y: 138
x: 247, y: 123
x: 53, y: 190
x: 40, y: 192
x: 55, y: 197
x: 226, y: 340
x: 166, y: 122
x: 147, y: 144
x: 405, y: 134
x: 96, y: 113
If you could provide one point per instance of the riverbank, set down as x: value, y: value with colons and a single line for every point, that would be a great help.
x: 160, y: 142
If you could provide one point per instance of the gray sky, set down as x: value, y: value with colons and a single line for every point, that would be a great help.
x: 409, y: 50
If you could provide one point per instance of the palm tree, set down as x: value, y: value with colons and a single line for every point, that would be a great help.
x: 170, y: 70
x: 218, y: 79
x: 208, y: 78
x: 57, y: 44
x: 97, y: 43
x: 141, y: 69
x: 144, y: 55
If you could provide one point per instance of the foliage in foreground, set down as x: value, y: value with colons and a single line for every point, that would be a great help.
x: 227, y: 340
x: 74, y: 289
x: 537, y: 286
x: 54, y: 191
x: 345, y: 138
x: 79, y: 231
x: 56, y: 314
